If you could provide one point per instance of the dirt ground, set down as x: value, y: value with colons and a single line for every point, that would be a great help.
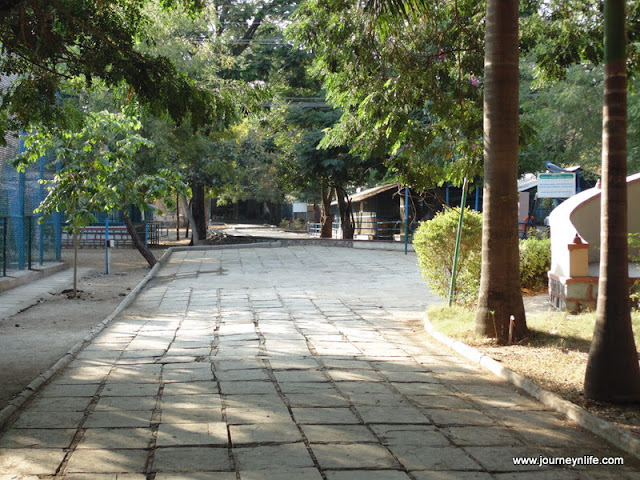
x: 33, y: 340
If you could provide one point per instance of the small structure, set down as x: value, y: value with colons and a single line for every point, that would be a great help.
x: 575, y: 242
x: 378, y: 212
x: 537, y: 199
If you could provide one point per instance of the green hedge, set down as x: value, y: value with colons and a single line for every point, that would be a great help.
x: 434, y: 242
x: 535, y: 262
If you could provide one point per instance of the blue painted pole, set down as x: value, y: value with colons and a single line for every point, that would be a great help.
x: 40, y: 228
x: 18, y: 225
x: 106, y: 244
x: 57, y: 224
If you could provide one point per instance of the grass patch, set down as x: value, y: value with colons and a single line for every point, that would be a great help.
x: 557, y: 330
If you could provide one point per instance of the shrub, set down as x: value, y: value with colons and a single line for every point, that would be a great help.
x: 285, y: 223
x: 434, y: 242
x: 535, y: 262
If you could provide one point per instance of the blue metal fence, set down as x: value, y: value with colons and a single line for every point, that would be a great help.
x: 26, y: 238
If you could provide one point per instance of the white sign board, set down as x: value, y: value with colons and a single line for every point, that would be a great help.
x: 299, y: 208
x: 556, y: 185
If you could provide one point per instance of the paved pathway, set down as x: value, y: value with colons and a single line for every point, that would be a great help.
x: 296, y: 363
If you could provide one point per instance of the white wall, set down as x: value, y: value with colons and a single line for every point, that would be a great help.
x: 581, y: 214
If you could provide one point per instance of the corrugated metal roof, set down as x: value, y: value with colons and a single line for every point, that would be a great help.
x: 371, y: 192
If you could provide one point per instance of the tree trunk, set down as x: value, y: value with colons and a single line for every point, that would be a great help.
x: 139, y: 244
x: 195, y: 239
x: 326, y: 219
x: 612, y: 372
x: 346, y: 213
x: 198, y: 209
x: 178, y: 218
x: 500, y: 296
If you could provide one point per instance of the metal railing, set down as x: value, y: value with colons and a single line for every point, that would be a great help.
x: 95, y: 235
x: 376, y: 230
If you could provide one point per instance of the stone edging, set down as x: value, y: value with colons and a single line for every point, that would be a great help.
x: 606, y: 430
x: 333, y: 242
x: 26, y: 276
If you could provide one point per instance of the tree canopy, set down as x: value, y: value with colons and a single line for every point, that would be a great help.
x: 414, y: 86
x: 44, y: 43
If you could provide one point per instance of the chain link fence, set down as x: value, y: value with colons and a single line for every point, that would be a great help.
x: 25, y: 240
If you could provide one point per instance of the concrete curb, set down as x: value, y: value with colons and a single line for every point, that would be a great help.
x: 586, y: 420
x: 23, y: 277
x: 335, y: 242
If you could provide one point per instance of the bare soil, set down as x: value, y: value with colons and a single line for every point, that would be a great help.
x: 36, y: 338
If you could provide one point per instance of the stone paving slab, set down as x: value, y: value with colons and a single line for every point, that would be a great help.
x: 286, y: 363
x: 18, y: 298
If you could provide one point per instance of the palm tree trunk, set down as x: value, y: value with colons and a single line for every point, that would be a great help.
x: 612, y: 368
x: 500, y: 296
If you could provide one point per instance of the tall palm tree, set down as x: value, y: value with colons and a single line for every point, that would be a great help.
x: 500, y: 297
x: 612, y: 369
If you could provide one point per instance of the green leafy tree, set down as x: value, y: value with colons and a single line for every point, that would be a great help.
x: 98, y: 173
x: 190, y: 43
x: 499, y: 296
x: 253, y: 161
x: 329, y: 171
x: 237, y: 49
x: 566, y: 116
x: 410, y: 86
x: 43, y: 43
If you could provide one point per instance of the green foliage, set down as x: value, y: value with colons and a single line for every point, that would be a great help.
x: 414, y: 87
x: 434, y: 242
x: 535, y: 262
x: 634, y: 247
x: 97, y: 168
x: 561, y: 33
x: 253, y: 173
x: 44, y: 43
x: 303, y: 166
